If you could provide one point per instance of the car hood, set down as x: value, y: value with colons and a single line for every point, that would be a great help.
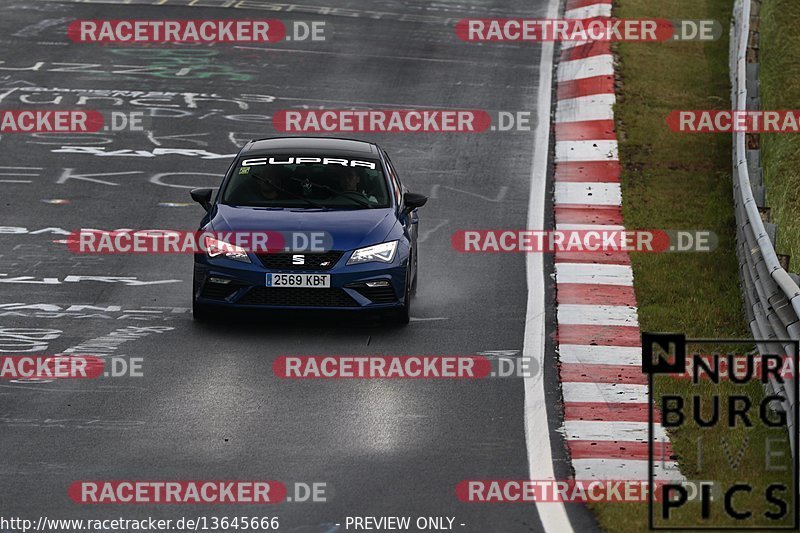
x: 349, y: 229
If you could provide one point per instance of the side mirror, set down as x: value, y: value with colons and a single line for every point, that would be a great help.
x: 202, y: 197
x: 413, y: 201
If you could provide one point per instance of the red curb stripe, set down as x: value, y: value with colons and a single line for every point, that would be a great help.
x: 575, y: 4
x: 587, y: 214
x: 580, y: 373
x: 604, y: 258
x: 596, y: 48
x: 620, y: 412
x: 588, y: 171
x: 587, y: 130
x: 599, y: 335
x: 585, y: 449
x: 585, y: 87
x: 580, y: 293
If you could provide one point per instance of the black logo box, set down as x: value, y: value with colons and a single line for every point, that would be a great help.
x: 677, y: 365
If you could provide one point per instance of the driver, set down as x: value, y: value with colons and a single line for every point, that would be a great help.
x: 268, y: 186
x: 349, y: 180
x: 251, y: 188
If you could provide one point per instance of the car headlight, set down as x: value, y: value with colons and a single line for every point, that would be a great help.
x: 383, y: 253
x: 216, y: 248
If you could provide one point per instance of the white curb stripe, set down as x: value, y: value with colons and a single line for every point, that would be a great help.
x: 576, y: 391
x: 611, y: 431
x: 600, y: 355
x: 578, y: 69
x: 635, y: 469
x: 597, y: 315
x: 586, y: 151
x: 594, y: 274
x: 593, y: 193
x: 582, y: 108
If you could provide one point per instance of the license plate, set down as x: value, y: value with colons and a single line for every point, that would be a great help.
x: 301, y: 281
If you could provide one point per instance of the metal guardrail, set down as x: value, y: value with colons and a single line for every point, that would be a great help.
x: 771, y: 294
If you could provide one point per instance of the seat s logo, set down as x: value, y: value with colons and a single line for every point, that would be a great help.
x: 298, y: 259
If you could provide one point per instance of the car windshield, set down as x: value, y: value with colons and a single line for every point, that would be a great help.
x: 307, y: 182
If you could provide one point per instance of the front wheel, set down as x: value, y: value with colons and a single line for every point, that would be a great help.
x: 201, y: 313
x: 403, y: 315
x: 416, y: 276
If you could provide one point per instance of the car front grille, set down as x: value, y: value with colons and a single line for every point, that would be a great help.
x: 291, y: 297
x: 311, y: 261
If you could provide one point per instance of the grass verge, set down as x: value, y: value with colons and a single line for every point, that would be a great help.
x: 683, y: 181
x: 780, y: 89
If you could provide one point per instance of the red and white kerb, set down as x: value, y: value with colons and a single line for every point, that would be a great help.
x: 604, y: 389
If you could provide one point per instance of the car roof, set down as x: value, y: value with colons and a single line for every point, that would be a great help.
x: 311, y: 145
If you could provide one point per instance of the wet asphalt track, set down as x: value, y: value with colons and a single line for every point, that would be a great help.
x: 208, y: 406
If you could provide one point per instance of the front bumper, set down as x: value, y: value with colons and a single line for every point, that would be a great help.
x: 222, y: 282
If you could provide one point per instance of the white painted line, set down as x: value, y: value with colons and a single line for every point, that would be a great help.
x: 605, y: 431
x: 16, y: 181
x: 593, y: 193
x: 589, y: 227
x: 594, y: 274
x: 587, y: 67
x: 588, y: 12
x: 583, y: 108
x: 586, y: 151
x: 553, y: 516
x: 634, y: 469
x: 575, y: 391
x: 597, y: 315
x: 600, y: 355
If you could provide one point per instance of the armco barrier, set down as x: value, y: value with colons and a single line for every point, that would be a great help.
x: 771, y: 295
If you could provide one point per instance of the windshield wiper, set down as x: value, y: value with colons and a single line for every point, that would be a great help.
x: 290, y: 193
x: 337, y: 193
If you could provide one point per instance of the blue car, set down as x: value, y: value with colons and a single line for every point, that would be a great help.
x: 347, y: 224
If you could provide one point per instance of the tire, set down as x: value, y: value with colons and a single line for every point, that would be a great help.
x: 416, y: 276
x: 403, y: 315
x: 201, y: 313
